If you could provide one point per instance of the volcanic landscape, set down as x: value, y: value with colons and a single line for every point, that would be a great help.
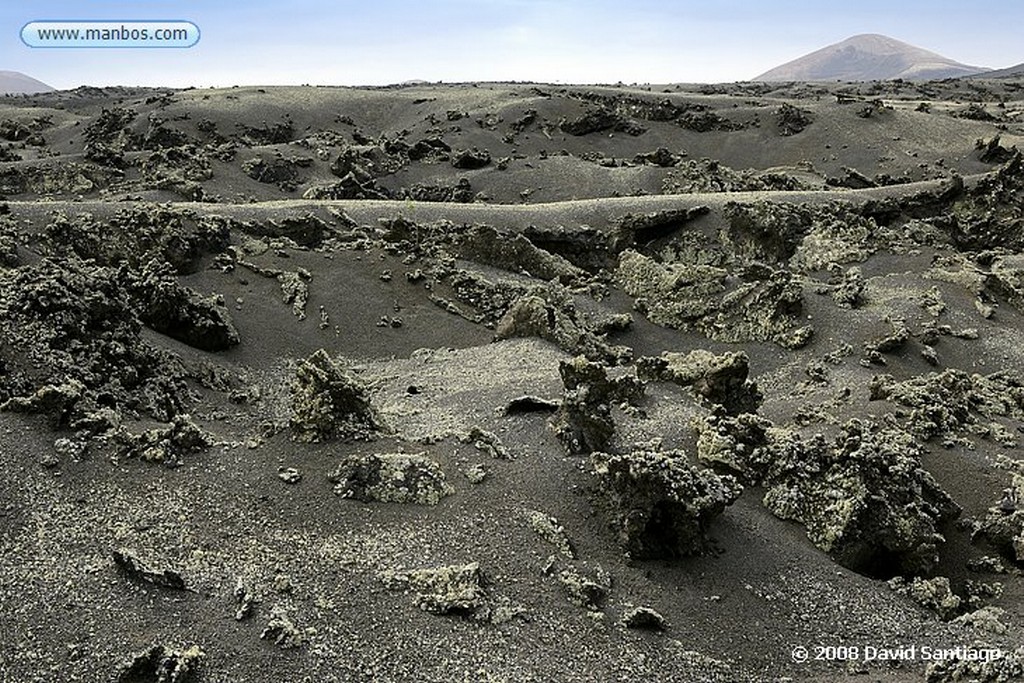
x: 513, y: 382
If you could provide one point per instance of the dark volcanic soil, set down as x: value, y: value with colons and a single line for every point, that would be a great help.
x: 513, y: 382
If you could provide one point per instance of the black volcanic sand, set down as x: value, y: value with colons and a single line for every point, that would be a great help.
x: 512, y: 382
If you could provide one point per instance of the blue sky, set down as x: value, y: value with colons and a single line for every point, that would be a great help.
x: 581, y: 41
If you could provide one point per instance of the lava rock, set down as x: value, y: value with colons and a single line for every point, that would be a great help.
x: 720, y: 379
x: 584, y: 422
x: 659, y: 504
x: 328, y: 402
x: 159, y: 664
x: 391, y: 478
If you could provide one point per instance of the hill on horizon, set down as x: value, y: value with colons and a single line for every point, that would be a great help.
x: 869, y: 57
x: 17, y: 83
x: 1008, y: 72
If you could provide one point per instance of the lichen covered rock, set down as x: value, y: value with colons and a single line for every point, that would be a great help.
x: 552, y: 316
x: 659, y: 504
x: 584, y: 422
x: 934, y: 594
x: 721, y: 379
x: 588, y: 589
x: 461, y: 590
x: 644, y: 618
x: 328, y: 402
x: 391, y: 478
x: 73, y: 346
x: 757, y: 304
x: 738, y: 445
x: 951, y: 401
x: 181, y: 312
x: 1003, y: 525
x: 864, y: 498
x: 167, y: 445
x: 548, y: 528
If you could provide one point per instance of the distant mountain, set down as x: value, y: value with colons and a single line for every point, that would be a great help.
x: 1008, y: 72
x: 14, y: 83
x: 869, y: 57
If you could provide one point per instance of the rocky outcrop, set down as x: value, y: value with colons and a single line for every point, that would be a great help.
x: 659, y: 504
x: 719, y: 379
x: 328, y: 402
x: 757, y: 304
x: 864, y: 498
x: 584, y: 422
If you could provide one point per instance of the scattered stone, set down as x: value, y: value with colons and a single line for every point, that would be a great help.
x: 289, y: 475
x: 295, y: 290
x: 659, y: 504
x: 71, y: 449
x: 548, y: 528
x: 470, y: 158
x: 660, y: 157
x: 1003, y: 525
x: 792, y: 120
x: 244, y: 599
x: 530, y: 404
x: 951, y: 402
x: 476, y: 474
x: 985, y: 620
x: 710, y: 175
x: 600, y: 119
x: 934, y: 594
x: 589, y: 592
x: 485, y: 441
x: 987, y: 564
x: 461, y: 590
x: 978, y: 663
x: 278, y: 170
x: 391, y: 478
x: 992, y: 152
x: 851, y: 179
x: 330, y: 403
x: 159, y: 664
x: 644, y: 618
x: 167, y: 445
x: 282, y: 631
x: 890, y: 342
x: 460, y: 193
x: 136, y: 569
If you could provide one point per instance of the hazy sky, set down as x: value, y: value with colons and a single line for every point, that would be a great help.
x: 582, y: 41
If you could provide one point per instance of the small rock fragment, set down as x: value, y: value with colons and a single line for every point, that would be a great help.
x: 135, y: 568
x: 289, y: 475
x: 548, y: 528
x: 159, y: 664
x: 282, y: 631
x: 391, y: 478
x: 586, y: 591
x: 644, y: 618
